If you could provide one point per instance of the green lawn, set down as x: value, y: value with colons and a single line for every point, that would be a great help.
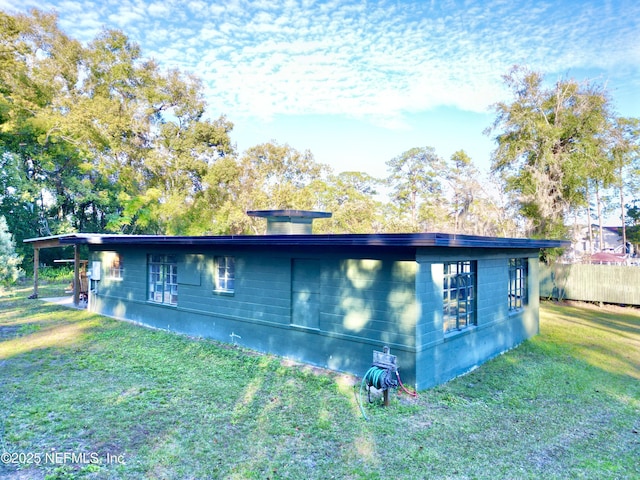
x: 90, y: 397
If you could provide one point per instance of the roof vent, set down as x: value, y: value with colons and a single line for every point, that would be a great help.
x: 289, y: 222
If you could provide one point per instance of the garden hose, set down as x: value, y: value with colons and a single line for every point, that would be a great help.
x: 379, y: 378
x: 413, y: 394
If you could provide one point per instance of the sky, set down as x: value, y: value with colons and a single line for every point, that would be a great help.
x: 358, y: 82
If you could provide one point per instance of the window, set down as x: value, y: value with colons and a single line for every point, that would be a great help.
x: 459, y: 297
x: 163, y: 279
x: 518, y: 275
x: 225, y: 274
x: 116, y: 269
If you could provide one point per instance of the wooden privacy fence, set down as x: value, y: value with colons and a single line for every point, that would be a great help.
x: 591, y: 283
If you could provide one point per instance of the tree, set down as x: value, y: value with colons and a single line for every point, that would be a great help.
x: 415, y: 181
x: 267, y: 176
x: 548, y: 141
x: 474, y: 204
x: 161, y: 150
x: 9, y: 259
x: 351, y: 198
x: 463, y: 182
x: 625, y: 155
x: 30, y: 145
x: 102, y: 139
x: 633, y: 230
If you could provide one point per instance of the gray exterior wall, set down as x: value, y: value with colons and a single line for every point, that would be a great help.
x: 331, y: 309
x: 441, y: 356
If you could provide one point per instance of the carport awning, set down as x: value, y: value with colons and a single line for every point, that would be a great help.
x: 53, y: 242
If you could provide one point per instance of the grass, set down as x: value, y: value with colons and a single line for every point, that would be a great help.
x: 141, y: 403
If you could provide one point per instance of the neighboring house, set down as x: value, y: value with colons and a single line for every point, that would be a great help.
x: 442, y: 303
x: 611, y: 241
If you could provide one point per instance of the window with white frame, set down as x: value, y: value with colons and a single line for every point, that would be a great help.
x: 518, y: 278
x: 163, y: 279
x: 225, y: 274
x: 116, y: 269
x: 459, y: 295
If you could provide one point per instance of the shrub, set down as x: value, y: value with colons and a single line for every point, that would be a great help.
x: 9, y: 259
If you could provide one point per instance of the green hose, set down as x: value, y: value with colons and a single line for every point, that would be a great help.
x: 364, y: 379
x: 378, y: 378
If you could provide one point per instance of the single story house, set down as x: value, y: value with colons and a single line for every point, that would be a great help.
x: 442, y: 303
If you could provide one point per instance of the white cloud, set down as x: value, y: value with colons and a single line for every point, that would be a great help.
x: 128, y: 15
x: 367, y: 59
x: 158, y: 9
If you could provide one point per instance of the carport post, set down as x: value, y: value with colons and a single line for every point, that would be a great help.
x: 36, y: 263
x: 76, y: 275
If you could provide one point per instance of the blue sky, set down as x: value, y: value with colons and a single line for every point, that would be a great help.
x: 359, y: 82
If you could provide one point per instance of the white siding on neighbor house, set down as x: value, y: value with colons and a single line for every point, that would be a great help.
x: 580, y: 245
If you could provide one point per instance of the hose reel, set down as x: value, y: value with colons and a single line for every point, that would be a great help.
x: 382, y: 375
x: 380, y: 378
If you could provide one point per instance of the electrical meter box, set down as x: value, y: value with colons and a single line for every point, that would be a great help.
x: 96, y: 267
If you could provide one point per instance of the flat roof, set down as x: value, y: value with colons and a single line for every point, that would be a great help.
x: 397, y: 240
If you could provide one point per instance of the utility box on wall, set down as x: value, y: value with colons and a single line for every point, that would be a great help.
x: 96, y: 267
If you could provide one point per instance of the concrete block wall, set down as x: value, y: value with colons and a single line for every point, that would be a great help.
x: 365, y: 303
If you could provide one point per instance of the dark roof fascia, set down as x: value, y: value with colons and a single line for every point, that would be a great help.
x: 414, y: 240
x: 51, y: 237
x: 51, y: 241
x: 288, y: 214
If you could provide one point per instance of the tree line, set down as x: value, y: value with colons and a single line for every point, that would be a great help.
x: 97, y: 138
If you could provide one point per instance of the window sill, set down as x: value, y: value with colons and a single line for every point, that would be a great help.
x: 452, y: 334
x: 224, y: 293
x: 160, y: 304
x: 304, y: 328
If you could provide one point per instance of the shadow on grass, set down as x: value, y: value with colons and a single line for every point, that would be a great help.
x: 605, y: 339
x: 31, y: 324
x: 57, y: 336
x: 611, y: 319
